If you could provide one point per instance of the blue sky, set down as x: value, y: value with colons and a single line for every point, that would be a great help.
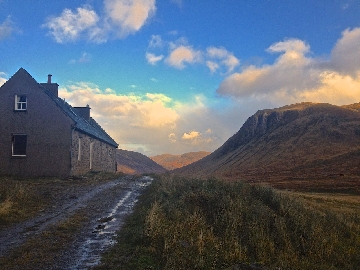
x: 174, y: 76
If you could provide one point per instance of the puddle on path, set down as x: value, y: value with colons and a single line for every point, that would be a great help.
x: 104, y: 228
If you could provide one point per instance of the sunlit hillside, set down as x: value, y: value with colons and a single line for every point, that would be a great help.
x: 312, y: 144
x: 171, y: 162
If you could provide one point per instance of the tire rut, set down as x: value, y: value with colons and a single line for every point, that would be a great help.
x: 106, y: 205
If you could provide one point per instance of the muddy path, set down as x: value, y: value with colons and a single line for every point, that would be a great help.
x: 105, y: 206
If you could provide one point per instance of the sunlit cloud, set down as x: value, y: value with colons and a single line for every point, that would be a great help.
x: 296, y: 77
x: 6, y: 28
x: 119, y: 19
x: 149, y: 110
x: 2, y: 78
x: 153, y: 123
x: 191, y: 135
x: 129, y: 16
x: 183, y: 55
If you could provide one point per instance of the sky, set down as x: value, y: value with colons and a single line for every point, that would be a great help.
x: 177, y: 76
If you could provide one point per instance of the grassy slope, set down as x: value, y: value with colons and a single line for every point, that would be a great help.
x: 193, y: 224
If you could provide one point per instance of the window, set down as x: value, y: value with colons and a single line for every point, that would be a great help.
x: 91, y: 155
x: 79, y: 150
x: 19, y: 145
x: 20, y: 103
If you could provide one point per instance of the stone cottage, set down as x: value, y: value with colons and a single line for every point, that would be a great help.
x: 42, y: 135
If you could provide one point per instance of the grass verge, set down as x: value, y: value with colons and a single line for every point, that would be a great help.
x: 22, y: 198
x: 41, y: 251
x: 180, y: 223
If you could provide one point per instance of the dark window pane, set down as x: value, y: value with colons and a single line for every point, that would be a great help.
x: 21, y: 102
x: 19, y: 145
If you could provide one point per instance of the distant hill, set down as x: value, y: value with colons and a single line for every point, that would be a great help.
x: 297, y: 142
x: 171, y: 162
x: 130, y: 162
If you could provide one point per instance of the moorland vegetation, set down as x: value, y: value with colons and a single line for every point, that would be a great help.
x: 182, y: 223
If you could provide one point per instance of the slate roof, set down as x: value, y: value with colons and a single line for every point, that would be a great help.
x: 90, y: 127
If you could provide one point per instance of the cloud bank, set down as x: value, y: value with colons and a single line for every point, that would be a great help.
x: 119, y: 19
x: 149, y: 123
x: 295, y: 76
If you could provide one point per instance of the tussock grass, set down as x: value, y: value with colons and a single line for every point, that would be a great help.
x: 18, y: 201
x: 193, y: 224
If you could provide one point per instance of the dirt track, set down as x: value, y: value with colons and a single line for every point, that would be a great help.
x: 103, y: 205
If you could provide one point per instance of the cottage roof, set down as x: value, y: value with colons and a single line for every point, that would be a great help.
x: 90, y: 126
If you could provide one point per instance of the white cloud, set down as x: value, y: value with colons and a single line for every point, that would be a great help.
x: 153, y: 59
x: 182, y: 55
x: 156, y: 42
x: 172, y: 137
x: 84, y: 58
x: 221, y: 57
x: 179, y: 3
x: 345, y: 57
x: 120, y: 18
x: 6, y: 28
x: 213, y: 66
x: 296, y: 77
x: 70, y: 26
x: 154, y: 80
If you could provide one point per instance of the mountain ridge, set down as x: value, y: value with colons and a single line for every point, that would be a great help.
x: 302, y: 140
x: 170, y: 161
x: 130, y: 162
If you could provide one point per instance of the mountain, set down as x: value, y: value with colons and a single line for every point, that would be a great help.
x: 171, y: 162
x: 299, y: 141
x: 130, y: 162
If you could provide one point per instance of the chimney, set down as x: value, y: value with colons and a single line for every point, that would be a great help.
x: 84, y: 112
x: 52, y: 87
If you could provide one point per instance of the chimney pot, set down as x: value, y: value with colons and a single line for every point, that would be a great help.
x: 49, y: 78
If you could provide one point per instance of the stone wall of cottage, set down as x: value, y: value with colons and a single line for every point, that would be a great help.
x: 90, y: 154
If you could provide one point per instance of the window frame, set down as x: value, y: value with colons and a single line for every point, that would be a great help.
x: 23, y: 104
x: 18, y: 149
